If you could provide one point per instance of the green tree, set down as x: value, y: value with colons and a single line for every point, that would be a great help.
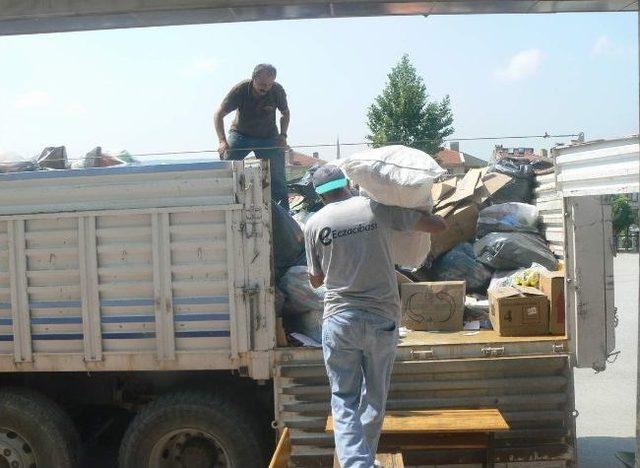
x: 623, y: 215
x: 403, y: 112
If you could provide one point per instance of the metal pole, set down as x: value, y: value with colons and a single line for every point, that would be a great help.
x: 637, y: 463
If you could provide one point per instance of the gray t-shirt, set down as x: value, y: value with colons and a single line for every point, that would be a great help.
x: 350, y: 243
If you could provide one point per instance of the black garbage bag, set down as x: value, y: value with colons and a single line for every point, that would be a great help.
x: 304, y: 187
x: 520, y: 169
x: 460, y: 263
x: 53, y: 157
x: 517, y: 190
x: 288, y: 242
x: 513, y: 250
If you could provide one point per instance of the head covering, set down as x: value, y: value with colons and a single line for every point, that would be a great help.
x: 328, y: 178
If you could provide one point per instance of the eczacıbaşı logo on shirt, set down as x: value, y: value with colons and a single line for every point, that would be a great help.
x: 327, y: 235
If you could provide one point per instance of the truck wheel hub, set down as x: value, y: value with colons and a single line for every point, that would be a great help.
x: 188, y: 448
x: 15, y: 451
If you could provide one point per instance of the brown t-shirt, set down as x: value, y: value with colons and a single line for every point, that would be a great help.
x: 256, y: 116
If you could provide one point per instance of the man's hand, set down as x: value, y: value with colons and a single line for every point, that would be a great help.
x: 223, y: 149
x: 316, y: 280
x: 431, y: 223
x: 281, y: 141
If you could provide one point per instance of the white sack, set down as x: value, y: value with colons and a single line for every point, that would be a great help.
x: 394, y: 175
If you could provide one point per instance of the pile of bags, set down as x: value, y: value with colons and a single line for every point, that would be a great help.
x: 55, y: 157
x: 492, y: 235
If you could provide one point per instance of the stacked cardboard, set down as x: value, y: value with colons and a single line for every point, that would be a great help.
x: 459, y: 204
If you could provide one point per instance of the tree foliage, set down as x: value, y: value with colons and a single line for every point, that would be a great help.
x: 403, y: 112
x: 623, y: 215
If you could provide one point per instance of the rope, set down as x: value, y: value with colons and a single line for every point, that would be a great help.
x: 331, y: 145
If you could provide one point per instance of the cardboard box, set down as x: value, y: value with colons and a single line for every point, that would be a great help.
x: 519, y: 311
x: 552, y: 285
x: 437, y: 306
x: 461, y: 226
x: 441, y: 190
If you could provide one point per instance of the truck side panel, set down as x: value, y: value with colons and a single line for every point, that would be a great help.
x: 160, y: 287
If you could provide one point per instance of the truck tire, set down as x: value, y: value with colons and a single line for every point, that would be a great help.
x: 194, y: 430
x: 35, y: 432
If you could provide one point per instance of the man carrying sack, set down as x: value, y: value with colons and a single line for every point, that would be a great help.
x: 348, y: 245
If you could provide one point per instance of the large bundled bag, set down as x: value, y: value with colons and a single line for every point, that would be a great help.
x: 460, y: 264
x: 394, y: 175
x: 517, y: 190
x: 514, y: 168
x: 288, y: 241
x: 53, y: 157
x: 507, y: 217
x: 398, y: 176
x: 13, y: 162
x: 300, y: 295
x: 514, y: 250
x: 410, y: 248
x: 520, y: 188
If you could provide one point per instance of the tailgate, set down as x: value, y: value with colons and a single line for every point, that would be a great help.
x: 535, y: 394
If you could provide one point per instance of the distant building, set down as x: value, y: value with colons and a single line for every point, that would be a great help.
x: 456, y: 162
x: 529, y: 154
x: 296, y: 164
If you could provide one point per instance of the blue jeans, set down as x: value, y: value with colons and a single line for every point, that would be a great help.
x: 241, y: 145
x: 359, y: 348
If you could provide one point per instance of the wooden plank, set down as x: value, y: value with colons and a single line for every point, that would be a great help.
x: 387, y: 460
x: 390, y: 460
x: 470, y: 441
x: 422, y: 338
x: 88, y: 263
x: 425, y: 421
x: 162, y: 287
x: 283, y: 451
x: 20, y: 312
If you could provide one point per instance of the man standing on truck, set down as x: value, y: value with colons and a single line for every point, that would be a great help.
x: 348, y: 244
x: 254, y: 127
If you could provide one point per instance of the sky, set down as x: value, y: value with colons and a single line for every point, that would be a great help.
x: 154, y: 89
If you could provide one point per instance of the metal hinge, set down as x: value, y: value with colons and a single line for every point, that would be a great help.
x: 420, y: 354
x: 488, y: 351
x: 258, y: 320
x: 557, y: 348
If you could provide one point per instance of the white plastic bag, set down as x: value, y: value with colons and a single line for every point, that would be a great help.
x: 394, y: 175
x: 410, y: 248
x: 13, y: 162
x: 301, y: 296
x: 508, y: 217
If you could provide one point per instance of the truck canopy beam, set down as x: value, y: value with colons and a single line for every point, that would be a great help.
x: 46, y: 16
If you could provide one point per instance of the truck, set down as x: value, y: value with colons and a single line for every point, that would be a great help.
x: 149, y: 291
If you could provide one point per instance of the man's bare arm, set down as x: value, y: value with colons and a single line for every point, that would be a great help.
x: 218, y: 125
x: 316, y: 280
x: 285, y: 118
x: 430, y: 223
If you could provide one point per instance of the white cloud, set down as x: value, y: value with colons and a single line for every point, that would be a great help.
x: 75, y: 109
x: 520, y: 66
x: 33, y: 99
x: 605, y: 46
x: 201, y: 66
